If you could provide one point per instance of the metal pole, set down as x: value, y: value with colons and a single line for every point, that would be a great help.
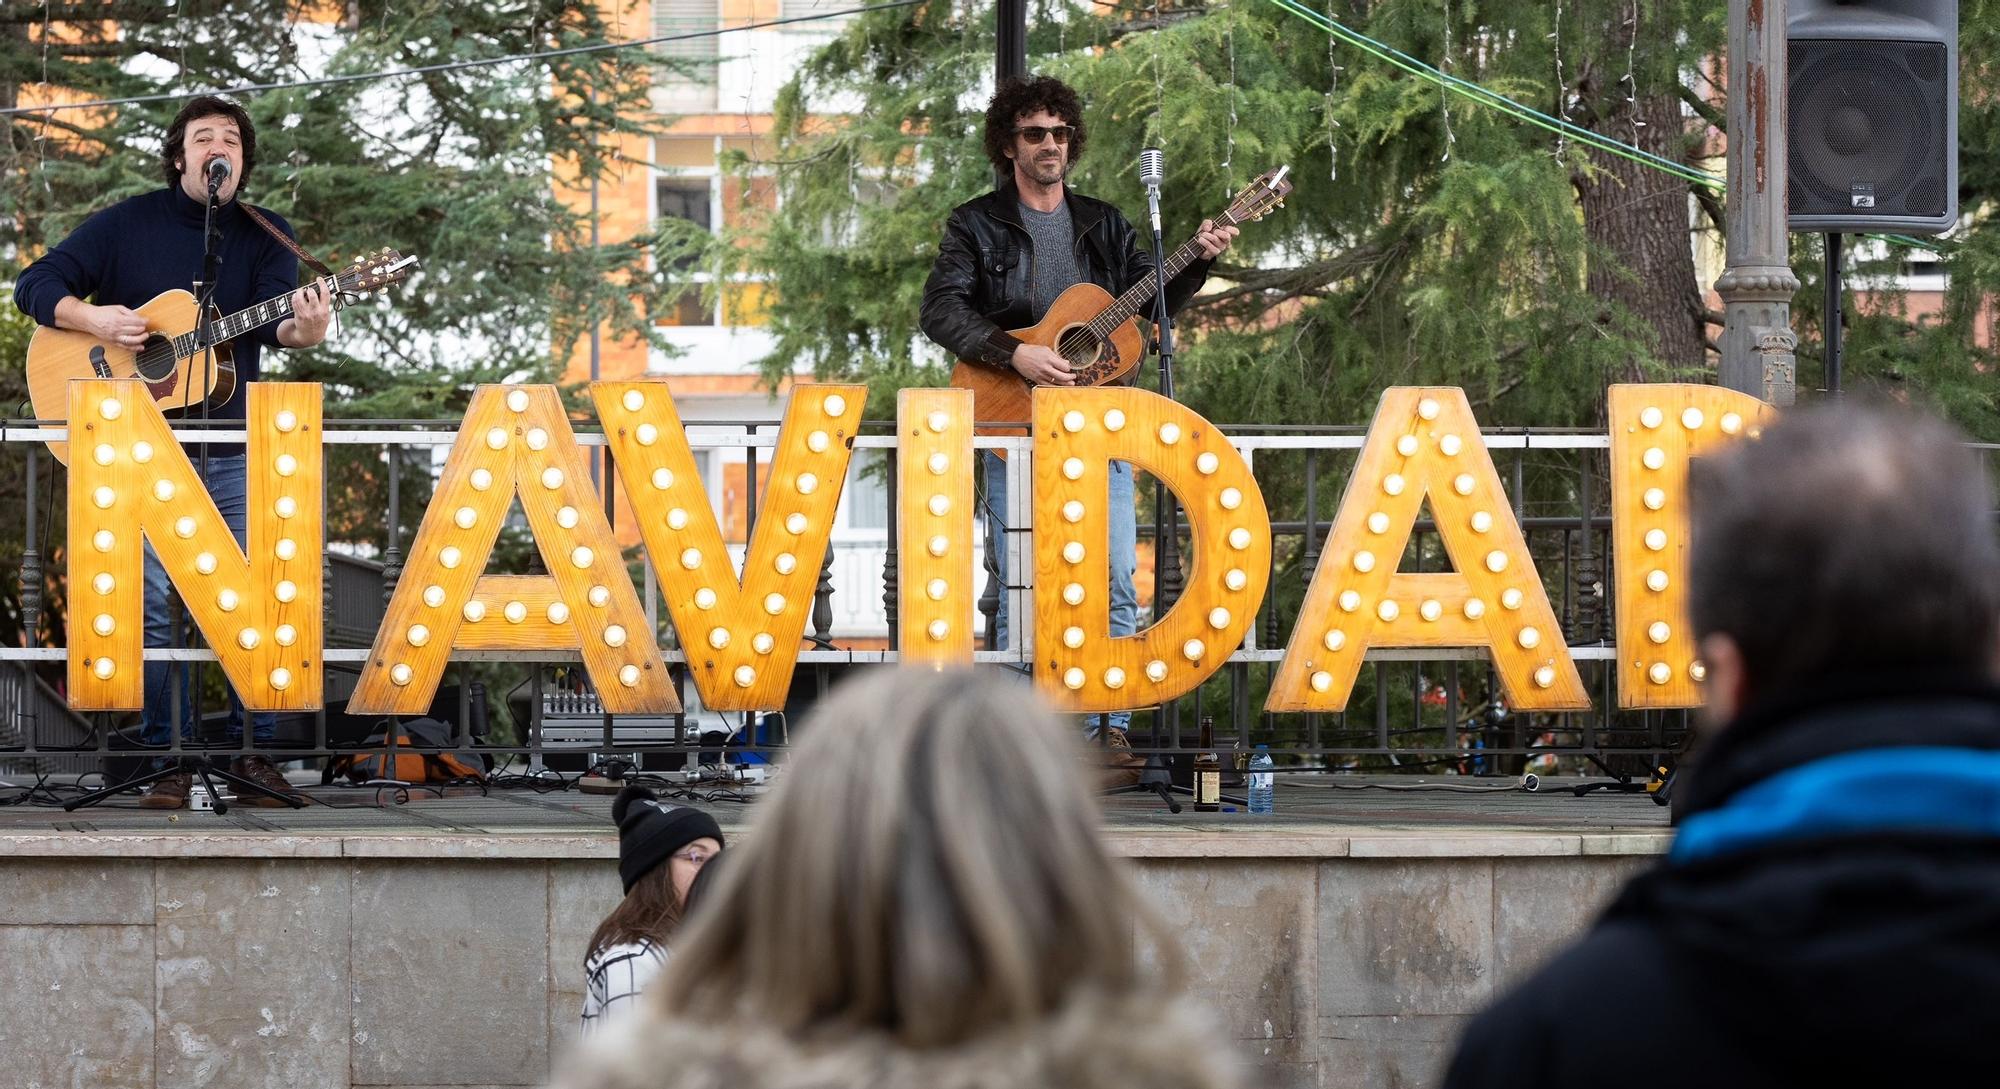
x: 1010, y: 55
x: 597, y: 473
x: 1834, y: 322
x: 1757, y: 283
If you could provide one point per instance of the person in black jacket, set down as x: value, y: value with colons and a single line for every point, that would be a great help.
x: 1829, y: 913
x: 1006, y: 256
x: 119, y: 259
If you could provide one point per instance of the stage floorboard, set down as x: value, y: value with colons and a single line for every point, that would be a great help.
x: 1317, y: 817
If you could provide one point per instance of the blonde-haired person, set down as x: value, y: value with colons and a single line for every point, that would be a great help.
x: 925, y: 903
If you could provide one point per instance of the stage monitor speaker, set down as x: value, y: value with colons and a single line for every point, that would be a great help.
x: 1872, y: 108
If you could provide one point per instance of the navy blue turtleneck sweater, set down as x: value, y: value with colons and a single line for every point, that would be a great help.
x: 138, y: 248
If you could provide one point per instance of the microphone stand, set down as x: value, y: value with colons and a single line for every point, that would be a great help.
x: 1155, y: 778
x: 204, y: 325
x: 1166, y: 510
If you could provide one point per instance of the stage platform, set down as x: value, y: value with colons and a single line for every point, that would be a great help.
x: 1319, y: 817
x: 1342, y: 942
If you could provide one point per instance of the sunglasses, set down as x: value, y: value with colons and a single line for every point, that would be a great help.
x: 1034, y: 134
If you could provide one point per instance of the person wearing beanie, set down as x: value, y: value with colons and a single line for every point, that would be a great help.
x: 661, y: 848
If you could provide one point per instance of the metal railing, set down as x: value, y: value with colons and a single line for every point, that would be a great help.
x: 1436, y: 710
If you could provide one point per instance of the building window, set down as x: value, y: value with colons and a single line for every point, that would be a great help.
x: 689, y: 200
x: 806, y: 9
x: 672, y: 17
x: 868, y: 491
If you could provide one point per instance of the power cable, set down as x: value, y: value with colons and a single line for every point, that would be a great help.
x: 453, y: 66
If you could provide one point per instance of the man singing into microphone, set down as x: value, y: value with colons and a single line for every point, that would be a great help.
x: 121, y: 258
x: 1004, y: 258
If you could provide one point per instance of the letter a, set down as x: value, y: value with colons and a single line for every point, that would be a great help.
x: 1424, y: 443
x: 516, y: 440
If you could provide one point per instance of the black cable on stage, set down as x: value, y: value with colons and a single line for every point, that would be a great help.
x: 452, y: 66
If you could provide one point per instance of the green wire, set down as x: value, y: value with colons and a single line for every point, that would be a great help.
x: 1494, y: 99
x: 1487, y: 97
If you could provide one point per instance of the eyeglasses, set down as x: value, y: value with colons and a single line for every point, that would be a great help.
x: 1034, y: 134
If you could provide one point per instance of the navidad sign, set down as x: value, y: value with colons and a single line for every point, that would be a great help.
x: 259, y: 606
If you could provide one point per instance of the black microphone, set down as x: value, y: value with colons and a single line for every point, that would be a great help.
x: 1152, y: 169
x: 218, y: 171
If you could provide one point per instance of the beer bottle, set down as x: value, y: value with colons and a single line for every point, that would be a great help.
x: 1207, y: 770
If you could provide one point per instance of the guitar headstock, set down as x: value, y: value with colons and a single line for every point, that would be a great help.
x: 1256, y: 200
x: 374, y: 270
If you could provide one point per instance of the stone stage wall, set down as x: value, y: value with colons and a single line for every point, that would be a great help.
x: 1334, y: 958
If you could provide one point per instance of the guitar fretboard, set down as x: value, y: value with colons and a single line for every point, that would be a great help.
x: 1141, y: 293
x: 241, y: 322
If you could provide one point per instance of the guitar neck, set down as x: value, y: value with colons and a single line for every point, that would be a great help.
x: 241, y: 322
x: 1127, y: 305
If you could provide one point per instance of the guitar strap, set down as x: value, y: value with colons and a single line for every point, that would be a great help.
x: 311, y: 262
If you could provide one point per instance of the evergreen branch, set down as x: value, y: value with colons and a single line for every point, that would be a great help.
x: 1388, y: 263
x: 1167, y: 18
x: 1287, y: 282
x: 1711, y: 207
x: 1701, y: 106
x: 126, y: 12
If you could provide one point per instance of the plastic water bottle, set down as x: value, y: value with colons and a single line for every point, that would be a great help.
x: 1263, y: 782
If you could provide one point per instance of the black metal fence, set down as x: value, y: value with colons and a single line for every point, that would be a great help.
x: 1431, y: 711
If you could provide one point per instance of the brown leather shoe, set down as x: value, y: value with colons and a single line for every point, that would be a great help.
x: 170, y: 792
x: 1121, y: 765
x: 260, y: 771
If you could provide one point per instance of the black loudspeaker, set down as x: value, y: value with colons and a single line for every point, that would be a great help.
x: 1872, y: 115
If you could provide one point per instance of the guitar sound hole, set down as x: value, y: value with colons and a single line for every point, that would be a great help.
x: 156, y: 360
x: 1080, y: 346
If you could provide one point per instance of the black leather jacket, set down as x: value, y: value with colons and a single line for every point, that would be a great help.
x: 982, y: 283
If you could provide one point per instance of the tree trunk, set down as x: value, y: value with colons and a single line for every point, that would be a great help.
x: 1636, y: 216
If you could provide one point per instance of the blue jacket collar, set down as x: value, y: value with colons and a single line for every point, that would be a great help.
x: 1932, y: 790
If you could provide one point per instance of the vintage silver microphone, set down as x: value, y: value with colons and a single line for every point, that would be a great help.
x: 1152, y: 170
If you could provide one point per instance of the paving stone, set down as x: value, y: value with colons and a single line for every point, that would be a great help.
x: 581, y: 894
x: 450, y: 970
x: 1248, y: 933
x: 1405, y: 937
x: 1542, y: 905
x: 78, y: 1006
x: 253, y: 979
x: 46, y: 891
x: 1386, y: 1052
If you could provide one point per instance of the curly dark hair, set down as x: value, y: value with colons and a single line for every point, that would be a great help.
x: 1019, y: 97
x: 195, y: 110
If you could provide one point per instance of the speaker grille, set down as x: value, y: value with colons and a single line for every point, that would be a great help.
x: 1867, y: 126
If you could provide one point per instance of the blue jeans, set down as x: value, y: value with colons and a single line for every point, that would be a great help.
x: 225, y: 480
x: 1122, y: 550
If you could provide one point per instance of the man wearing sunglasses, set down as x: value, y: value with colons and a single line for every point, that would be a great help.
x: 1004, y: 258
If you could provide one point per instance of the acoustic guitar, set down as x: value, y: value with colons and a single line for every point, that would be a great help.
x: 180, y: 374
x: 1098, y: 334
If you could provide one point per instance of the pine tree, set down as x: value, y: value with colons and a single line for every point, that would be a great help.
x: 1431, y: 239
